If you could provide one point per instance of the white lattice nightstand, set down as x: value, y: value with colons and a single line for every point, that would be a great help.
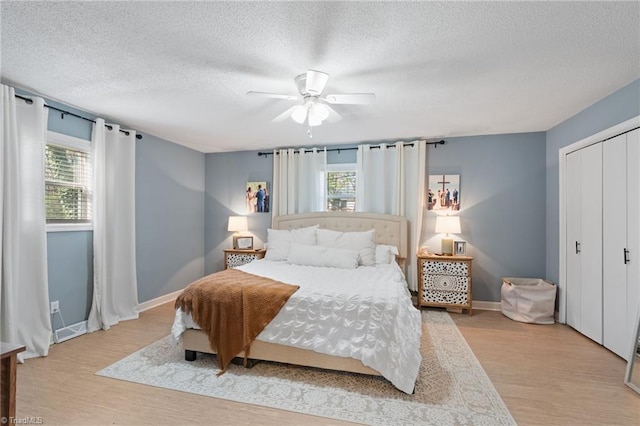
x: 234, y: 258
x: 444, y: 281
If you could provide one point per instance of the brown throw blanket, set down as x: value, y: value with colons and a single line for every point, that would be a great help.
x: 233, y: 307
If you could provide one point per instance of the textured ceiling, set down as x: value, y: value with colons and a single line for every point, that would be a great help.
x: 181, y: 70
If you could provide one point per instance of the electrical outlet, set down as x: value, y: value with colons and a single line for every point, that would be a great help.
x: 55, y: 306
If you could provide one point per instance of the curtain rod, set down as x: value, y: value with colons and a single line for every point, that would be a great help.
x: 435, y: 144
x: 108, y: 126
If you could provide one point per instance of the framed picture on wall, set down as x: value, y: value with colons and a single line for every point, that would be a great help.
x: 460, y: 248
x: 443, y: 192
x: 257, y: 196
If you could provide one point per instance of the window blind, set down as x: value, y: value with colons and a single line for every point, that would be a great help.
x: 341, y: 190
x: 67, y: 185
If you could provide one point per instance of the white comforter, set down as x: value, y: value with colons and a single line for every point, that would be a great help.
x: 364, y: 313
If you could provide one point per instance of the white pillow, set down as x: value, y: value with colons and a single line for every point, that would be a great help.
x: 362, y: 242
x: 301, y: 254
x: 279, y: 241
x: 385, y: 254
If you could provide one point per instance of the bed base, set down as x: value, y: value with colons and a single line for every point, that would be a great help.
x: 194, y: 341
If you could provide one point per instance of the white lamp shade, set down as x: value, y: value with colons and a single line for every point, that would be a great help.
x: 313, y: 120
x: 448, y: 225
x: 312, y: 112
x: 237, y: 223
x: 320, y: 111
x: 299, y: 114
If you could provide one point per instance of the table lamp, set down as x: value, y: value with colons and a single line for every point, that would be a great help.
x: 447, y: 225
x: 237, y: 224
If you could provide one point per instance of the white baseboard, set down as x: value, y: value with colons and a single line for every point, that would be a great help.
x: 144, y: 306
x: 486, y: 306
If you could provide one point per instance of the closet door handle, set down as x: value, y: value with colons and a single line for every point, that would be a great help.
x: 625, y: 254
x: 577, y: 247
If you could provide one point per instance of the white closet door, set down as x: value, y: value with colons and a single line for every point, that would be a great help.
x: 614, y: 216
x: 573, y: 203
x: 602, y: 247
x: 591, y: 242
x: 633, y: 234
x: 584, y: 241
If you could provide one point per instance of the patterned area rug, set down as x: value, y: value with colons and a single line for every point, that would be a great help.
x: 452, y: 387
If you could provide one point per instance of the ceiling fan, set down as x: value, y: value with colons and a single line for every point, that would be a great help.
x: 315, y: 108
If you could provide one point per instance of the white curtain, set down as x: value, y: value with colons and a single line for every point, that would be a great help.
x: 24, y: 291
x: 391, y: 180
x: 299, y: 181
x: 115, y: 289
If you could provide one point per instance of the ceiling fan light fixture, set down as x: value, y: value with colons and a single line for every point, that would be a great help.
x: 317, y: 114
x: 314, y: 120
x: 299, y: 114
x: 315, y: 107
x: 319, y: 111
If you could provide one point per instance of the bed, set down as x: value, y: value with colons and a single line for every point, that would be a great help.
x: 371, y: 324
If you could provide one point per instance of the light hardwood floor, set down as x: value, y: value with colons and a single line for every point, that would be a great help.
x: 547, y: 375
x: 550, y: 374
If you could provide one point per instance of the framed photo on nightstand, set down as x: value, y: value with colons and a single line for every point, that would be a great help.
x: 243, y: 243
x: 460, y: 248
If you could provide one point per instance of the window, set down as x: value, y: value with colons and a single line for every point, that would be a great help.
x: 341, y: 187
x: 68, y: 178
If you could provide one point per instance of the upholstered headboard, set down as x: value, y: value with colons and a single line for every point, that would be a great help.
x: 389, y: 229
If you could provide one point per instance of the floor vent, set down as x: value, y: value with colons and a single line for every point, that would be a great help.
x: 69, y: 332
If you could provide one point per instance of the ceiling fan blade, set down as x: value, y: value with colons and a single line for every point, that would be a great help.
x: 284, y: 115
x: 273, y: 95
x: 316, y: 80
x: 333, y: 115
x: 351, y: 98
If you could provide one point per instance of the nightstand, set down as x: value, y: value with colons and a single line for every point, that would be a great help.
x: 444, y: 281
x: 234, y: 257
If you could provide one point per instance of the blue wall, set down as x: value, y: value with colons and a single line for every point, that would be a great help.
x: 620, y: 106
x: 225, y: 184
x: 502, y: 214
x: 169, y: 216
x: 70, y: 273
x: 169, y: 224
x: 502, y: 205
x: 509, y: 187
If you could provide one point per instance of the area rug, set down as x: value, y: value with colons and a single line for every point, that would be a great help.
x: 452, y: 387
